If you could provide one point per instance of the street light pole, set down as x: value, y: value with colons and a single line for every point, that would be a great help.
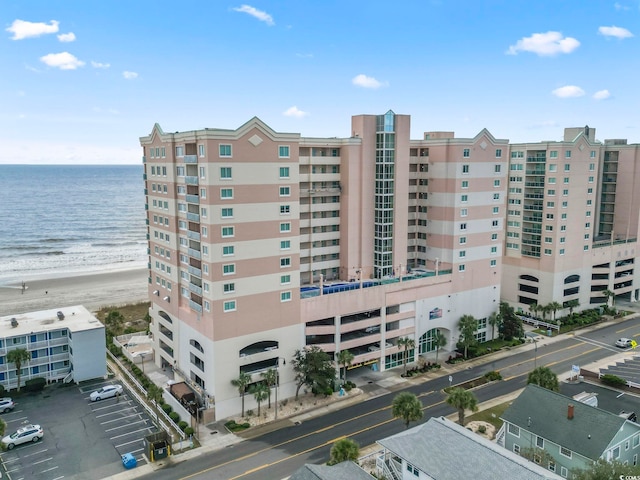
x: 284, y: 362
x: 535, y: 348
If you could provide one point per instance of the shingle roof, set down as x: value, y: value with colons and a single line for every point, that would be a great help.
x: 544, y: 413
x: 341, y: 471
x: 446, y: 451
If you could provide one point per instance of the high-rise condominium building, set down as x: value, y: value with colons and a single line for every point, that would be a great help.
x: 262, y: 243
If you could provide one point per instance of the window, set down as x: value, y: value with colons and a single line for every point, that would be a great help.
x: 285, y: 191
x: 226, y: 193
x: 565, y: 204
x: 227, y: 231
x: 179, y: 151
x: 592, y: 167
x: 566, y: 180
x: 225, y: 173
x: 567, y: 167
x: 626, y: 445
x: 463, y: 226
x: 464, y: 198
x: 284, y: 172
x: 285, y: 227
x: 562, y: 239
x: 285, y: 296
x: 513, y: 430
x: 539, y: 442
x: 229, y: 288
x: 516, y: 448
x: 498, y: 153
x: 285, y: 244
x: 229, y: 269
x: 464, y: 212
x: 590, y: 179
x: 494, y: 236
x: 564, y: 472
x: 561, y: 251
x: 496, y: 168
x: 285, y: 262
x: 225, y: 150
x: 465, y: 183
x: 553, y: 167
x: 547, y: 251
x: 230, y: 306
x: 552, y: 465
x: 201, y: 150
x: 496, y: 183
x: 227, y: 212
x: 565, y: 192
x: 496, y: 210
x: 565, y: 452
x: 517, y: 154
x: 285, y: 279
x: 461, y: 268
x: 567, y: 154
x: 615, y: 453
x: 205, y: 231
x: 494, y: 223
x: 589, y: 191
x: 494, y: 250
x: 283, y: 151
x: 285, y: 209
x: 463, y: 240
x: 228, y: 250
x: 465, y: 168
x: 462, y: 254
x: 466, y: 153
x: 493, y: 263
x: 551, y: 204
x: 636, y: 440
x: 552, y: 180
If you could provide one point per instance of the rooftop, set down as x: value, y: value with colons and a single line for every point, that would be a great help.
x: 76, y: 318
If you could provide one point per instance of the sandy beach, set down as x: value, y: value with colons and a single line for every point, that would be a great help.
x: 95, y: 290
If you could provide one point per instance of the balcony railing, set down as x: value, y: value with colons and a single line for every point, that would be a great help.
x: 195, y: 289
x: 193, y: 235
x: 195, y: 253
x: 193, y: 217
x: 193, y: 199
x: 195, y: 271
x: 191, y: 180
x: 190, y: 159
x: 195, y: 306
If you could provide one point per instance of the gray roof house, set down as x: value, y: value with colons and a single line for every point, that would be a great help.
x: 443, y: 450
x: 341, y: 471
x: 563, y: 434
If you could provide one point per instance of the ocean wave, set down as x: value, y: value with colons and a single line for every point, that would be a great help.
x: 114, y: 244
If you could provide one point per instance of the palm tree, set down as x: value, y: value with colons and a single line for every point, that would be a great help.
x: 270, y: 378
x: 609, y: 295
x: 18, y: 357
x: 241, y: 383
x: 495, y: 319
x: 534, y: 308
x: 571, y: 304
x: 260, y: 393
x: 544, y: 309
x: 154, y: 395
x: 345, y: 357
x: 406, y: 406
x: 553, y: 308
x: 468, y: 326
x: 344, y: 450
x: 544, y: 377
x: 462, y: 400
x: 439, y: 341
x: 407, y: 344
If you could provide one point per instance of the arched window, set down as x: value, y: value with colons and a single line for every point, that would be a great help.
x: 572, y: 279
x: 426, y: 342
x: 529, y: 278
x: 259, y: 347
x: 166, y: 316
x: 196, y: 344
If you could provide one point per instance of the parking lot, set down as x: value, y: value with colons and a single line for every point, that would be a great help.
x: 82, y: 439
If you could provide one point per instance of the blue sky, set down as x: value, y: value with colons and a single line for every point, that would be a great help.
x: 83, y: 80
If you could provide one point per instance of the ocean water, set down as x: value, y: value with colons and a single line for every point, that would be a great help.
x: 70, y: 219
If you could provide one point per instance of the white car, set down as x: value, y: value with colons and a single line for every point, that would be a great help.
x: 6, y: 404
x: 623, y: 342
x: 28, y: 433
x: 107, y: 391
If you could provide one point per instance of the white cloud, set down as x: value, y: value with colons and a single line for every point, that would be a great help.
x: 294, y: 112
x: 67, y: 37
x: 367, y: 82
x: 63, y: 61
x: 601, y: 95
x: 22, y: 29
x: 544, y: 44
x: 614, y: 31
x: 99, y: 65
x: 568, y: 91
x: 254, y: 12
x: 619, y: 7
x: 129, y: 75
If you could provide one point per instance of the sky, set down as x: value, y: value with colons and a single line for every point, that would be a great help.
x: 82, y: 80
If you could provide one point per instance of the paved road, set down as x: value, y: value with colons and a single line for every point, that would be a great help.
x: 278, y: 454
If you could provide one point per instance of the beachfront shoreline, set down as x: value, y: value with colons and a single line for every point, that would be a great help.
x: 114, y: 287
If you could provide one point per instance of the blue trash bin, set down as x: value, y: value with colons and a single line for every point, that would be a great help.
x: 129, y: 461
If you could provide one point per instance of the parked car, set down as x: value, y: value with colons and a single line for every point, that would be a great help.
x: 28, y: 433
x: 107, y: 391
x: 6, y: 404
x: 623, y: 342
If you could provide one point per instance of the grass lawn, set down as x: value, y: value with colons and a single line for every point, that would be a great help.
x: 491, y: 415
x: 134, y: 315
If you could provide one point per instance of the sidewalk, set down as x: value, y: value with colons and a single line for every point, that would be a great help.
x: 215, y: 436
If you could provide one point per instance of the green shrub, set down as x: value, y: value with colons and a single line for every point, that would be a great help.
x: 182, y: 425
x: 167, y: 408
x: 493, y: 375
x: 188, y: 431
x: 174, y: 416
x: 328, y: 392
x: 249, y: 413
x: 232, y: 426
x: 613, y: 380
x: 35, y: 384
x: 482, y: 429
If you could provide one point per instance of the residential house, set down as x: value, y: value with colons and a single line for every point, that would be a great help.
x: 341, y: 471
x: 565, y: 435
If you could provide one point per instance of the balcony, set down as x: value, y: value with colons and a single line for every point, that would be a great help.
x: 166, y: 332
x: 535, y: 172
x: 195, y: 271
x: 193, y: 235
x: 193, y: 217
x: 193, y: 199
x: 191, y: 180
x: 190, y: 159
x: 195, y: 253
x: 195, y: 289
x: 195, y: 306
